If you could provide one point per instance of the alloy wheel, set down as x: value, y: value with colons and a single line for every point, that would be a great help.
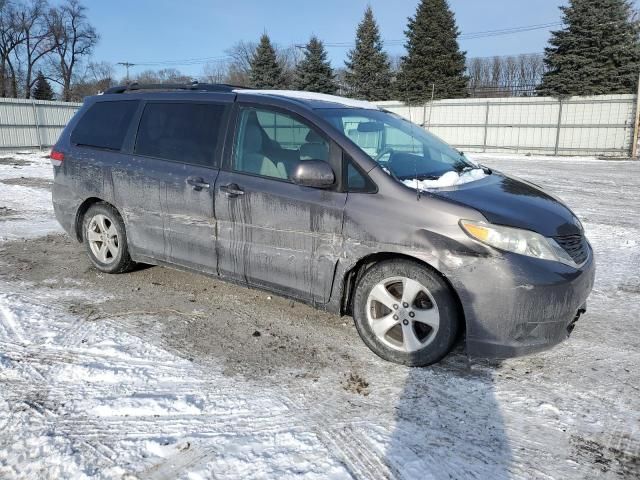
x: 403, y: 314
x: 103, y: 239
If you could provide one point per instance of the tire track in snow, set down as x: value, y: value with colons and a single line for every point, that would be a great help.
x: 348, y: 445
x: 8, y: 321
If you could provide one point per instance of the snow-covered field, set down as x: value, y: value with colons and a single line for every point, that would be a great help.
x: 161, y: 374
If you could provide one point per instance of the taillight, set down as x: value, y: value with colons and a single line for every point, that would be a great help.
x: 56, y: 158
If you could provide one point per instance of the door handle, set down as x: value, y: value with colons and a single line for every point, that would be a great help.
x: 231, y: 190
x: 197, y: 183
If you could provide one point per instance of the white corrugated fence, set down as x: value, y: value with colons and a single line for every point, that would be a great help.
x: 32, y: 123
x: 602, y: 125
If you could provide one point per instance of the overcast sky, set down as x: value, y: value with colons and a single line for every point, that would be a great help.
x: 144, y: 31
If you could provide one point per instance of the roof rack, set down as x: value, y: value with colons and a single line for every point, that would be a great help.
x: 194, y: 86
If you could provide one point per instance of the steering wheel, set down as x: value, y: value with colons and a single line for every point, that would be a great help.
x: 387, y: 150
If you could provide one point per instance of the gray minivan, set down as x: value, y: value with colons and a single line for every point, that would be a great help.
x: 330, y: 201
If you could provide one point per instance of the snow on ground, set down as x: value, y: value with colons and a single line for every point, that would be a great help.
x: 90, y: 396
x: 25, y: 211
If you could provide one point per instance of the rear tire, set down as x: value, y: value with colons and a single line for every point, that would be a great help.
x: 105, y: 239
x: 406, y: 313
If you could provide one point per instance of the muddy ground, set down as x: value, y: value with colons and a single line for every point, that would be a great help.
x: 33, y: 182
x: 208, y: 320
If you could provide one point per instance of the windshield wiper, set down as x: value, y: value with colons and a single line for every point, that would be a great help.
x: 420, y: 177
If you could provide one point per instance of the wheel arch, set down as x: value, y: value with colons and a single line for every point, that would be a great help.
x: 82, y: 210
x: 352, y: 276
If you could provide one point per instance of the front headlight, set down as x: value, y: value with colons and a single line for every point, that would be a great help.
x: 516, y: 240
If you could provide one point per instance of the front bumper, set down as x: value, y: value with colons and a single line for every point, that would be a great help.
x: 516, y: 305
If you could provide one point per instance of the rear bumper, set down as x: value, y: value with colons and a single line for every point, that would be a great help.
x: 517, y: 305
x: 65, y: 207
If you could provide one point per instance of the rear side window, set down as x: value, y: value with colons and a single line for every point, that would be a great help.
x: 183, y: 132
x: 104, y: 125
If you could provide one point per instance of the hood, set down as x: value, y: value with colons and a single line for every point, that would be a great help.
x: 513, y: 202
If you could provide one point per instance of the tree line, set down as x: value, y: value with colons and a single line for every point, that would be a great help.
x: 596, y: 51
x: 42, y: 43
x: 506, y: 76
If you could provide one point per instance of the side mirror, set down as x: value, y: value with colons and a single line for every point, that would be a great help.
x: 313, y: 173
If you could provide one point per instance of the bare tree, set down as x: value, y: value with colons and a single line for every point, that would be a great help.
x: 38, y: 39
x: 165, y: 75
x: 238, y: 66
x: 395, y: 62
x: 11, y: 37
x: 288, y: 58
x: 74, y: 38
x: 215, y: 72
x: 96, y: 77
x: 173, y: 75
x: 505, y: 76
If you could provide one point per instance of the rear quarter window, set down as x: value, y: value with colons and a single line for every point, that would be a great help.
x: 104, y: 125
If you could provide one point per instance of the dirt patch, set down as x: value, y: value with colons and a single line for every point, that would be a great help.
x: 197, y: 317
x: 33, y: 182
x: 356, y: 384
x: 629, y: 287
x: 620, y: 456
x: 16, y: 162
x: 7, y: 212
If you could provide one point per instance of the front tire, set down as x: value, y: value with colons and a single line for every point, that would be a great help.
x: 105, y: 239
x: 406, y: 313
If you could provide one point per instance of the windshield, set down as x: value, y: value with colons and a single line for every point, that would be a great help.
x: 402, y: 148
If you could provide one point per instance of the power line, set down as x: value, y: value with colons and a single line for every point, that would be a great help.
x: 188, y: 61
x: 470, y: 35
x: 464, y: 36
x: 127, y: 65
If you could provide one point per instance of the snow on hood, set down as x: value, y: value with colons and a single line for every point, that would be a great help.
x: 449, y: 179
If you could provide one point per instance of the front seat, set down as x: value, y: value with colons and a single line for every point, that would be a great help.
x: 315, y: 148
x: 253, y: 158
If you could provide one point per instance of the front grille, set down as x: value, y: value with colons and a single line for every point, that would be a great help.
x: 575, y: 245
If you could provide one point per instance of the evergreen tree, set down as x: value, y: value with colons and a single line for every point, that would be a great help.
x: 433, y: 55
x: 368, y: 74
x: 265, y: 71
x: 42, y: 89
x: 597, y: 51
x: 314, y: 72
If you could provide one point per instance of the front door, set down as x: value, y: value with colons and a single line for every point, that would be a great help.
x: 273, y: 233
x: 184, y: 139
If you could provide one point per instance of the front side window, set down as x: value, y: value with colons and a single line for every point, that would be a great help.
x: 271, y: 143
x: 182, y: 132
x: 105, y: 125
x: 403, y: 149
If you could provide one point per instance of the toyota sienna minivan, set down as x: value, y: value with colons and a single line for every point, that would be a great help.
x: 330, y: 201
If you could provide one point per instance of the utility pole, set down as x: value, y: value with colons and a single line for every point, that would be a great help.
x: 127, y: 65
x: 433, y: 91
x: 636, y: 125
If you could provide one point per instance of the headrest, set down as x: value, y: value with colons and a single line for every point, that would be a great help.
x: 313, y: 137
x: 252, y: 138
x: 314, y: 151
